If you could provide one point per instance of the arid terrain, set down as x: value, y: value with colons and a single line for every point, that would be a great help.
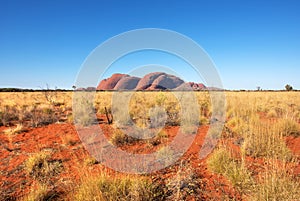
x: 256, y: 155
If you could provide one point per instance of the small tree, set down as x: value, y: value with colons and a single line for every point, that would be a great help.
x: 288, y: 87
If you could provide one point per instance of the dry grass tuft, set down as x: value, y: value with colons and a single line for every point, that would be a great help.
x: 103, y: 187
x: 40, y: 192
x: 222, y: 162
x: 40, y: 167
x: 276, y: 183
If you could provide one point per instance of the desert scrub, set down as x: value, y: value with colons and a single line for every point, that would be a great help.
x: 272, y: 113
x: 222, y: 162
x: 40, y: 192
x: 8, y: 114
x: 186, y: 183
x: 165, y: 155
x: 103, y: 187
x: 89, y: 161
x: 19, y: 128
x: 276, y: 183
x: 160, y: 137
x: 40, y: 116
x: 41, y: 167
x: 68, y: 139
x: 158, y: 117
x: 288, y: 127
x: 83, y: 109
x: 119, y: 138
x: 264, y: 139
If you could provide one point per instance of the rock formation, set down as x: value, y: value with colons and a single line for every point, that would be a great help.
x: 151, y: 81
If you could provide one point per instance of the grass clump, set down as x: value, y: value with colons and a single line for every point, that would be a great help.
x: 265, y: 140
x: 40, y: 192
x: 222, y: 162
x: 68, y: 139
x: 102, y: 188
x: 288, y: 127
x: 15, y: 130
x: 220, y: 159
x: 165, y: 155
x: 8, y: 114
x: 185, y: 184
x: 90, y: 161
x: 272, y: 113
x: 83, y: 109
x: 276, y: 184
x: 119, y: 138
x: 40, y: 167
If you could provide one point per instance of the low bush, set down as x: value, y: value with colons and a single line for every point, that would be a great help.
x: 8, y: 114
x: 42, y: 116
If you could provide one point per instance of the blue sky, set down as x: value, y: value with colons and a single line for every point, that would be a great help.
x: 252, y: 43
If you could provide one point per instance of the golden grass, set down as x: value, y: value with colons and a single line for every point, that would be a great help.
x: 261, y: 121
x: 14, y: 130
x: 264, y: 139
x: 40, y: 167
x: 103, y: 187
x: 222, y: 162
x: 276, y: 183
x: 40, y: 192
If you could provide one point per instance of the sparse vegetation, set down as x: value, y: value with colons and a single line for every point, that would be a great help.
x: 265, y: 140
x: 40, y: 192
x: 102, y: 187
x: 90, y: 161
x: 276, y: 183
x: 222, y: 162
x: 185, y: 184
x: 257, y: 154
x: 15, y: 130
x: 119, y: 138
x: 288, y: 87
x: 41, y: 167
x: 165, y: 155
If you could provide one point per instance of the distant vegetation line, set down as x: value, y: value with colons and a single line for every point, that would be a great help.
x: 30, y: 90
x: 66, y: 90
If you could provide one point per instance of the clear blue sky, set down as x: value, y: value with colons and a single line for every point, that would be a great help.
x: 253, y: 43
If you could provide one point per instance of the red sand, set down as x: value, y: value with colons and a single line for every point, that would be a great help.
x: 64, y: 144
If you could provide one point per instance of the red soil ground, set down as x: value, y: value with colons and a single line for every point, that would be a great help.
x: 64, y: 144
